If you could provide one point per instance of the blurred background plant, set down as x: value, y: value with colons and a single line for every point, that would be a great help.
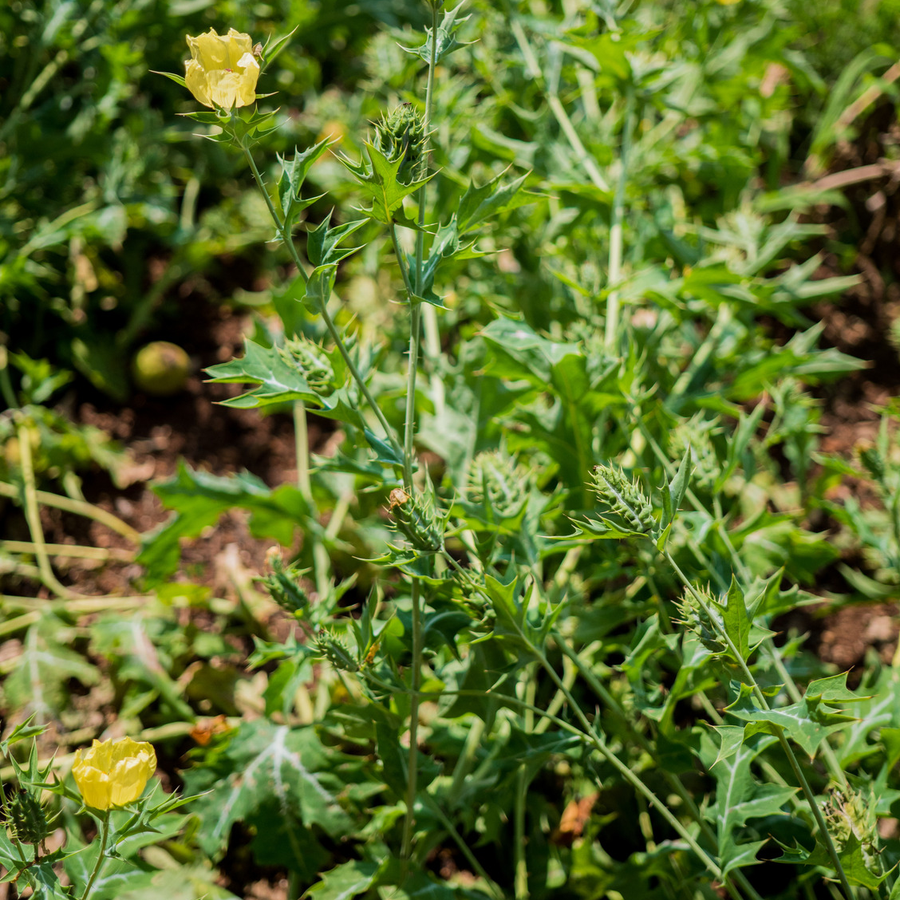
x: 708, y: 177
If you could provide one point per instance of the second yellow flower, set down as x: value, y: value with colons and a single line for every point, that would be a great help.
x: 223, y: 70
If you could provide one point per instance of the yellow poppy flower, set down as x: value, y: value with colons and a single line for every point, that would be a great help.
x: 223, y: 70
x: 113, y: 773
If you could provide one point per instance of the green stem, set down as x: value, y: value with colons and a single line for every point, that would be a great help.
x: 288, y: 241
x: 429, y: 102
x: 600, y: 745
x: 301, y: 451
x: 559, y: 111
x: 676, y: 784
x: 415, y: 311
x: 495, y: 889
x: 477, y: 729
x: 521, y: 865
x: 415, y: 333
x: 412, y: 768
x: 521, y: 796
x: 33, y: 516
x: 615, y: 232
x: 304, y: 483
x: 79, y: 507
x: 825, y: 835
x: 101, y: 858
x: 6, y: 388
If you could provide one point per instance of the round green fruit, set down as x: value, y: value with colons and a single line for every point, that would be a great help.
x: 161, y: 368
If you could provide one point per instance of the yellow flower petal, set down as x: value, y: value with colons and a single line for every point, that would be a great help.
x: 210, y: 50
x: 196, y: 81
x: 223, y: 70
x: 113, y: 773
x: 238, y: 45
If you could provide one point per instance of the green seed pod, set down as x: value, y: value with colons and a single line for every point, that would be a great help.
x: 696, y: 433
x: 27, y: 821
x: 311, y: 360
x: 874, y: 462
x: 415, y: 517
x: 282, y: 584
x: 335, y: 651
x: 695, y: 618
x: 850, y: 817
x: 401, y: 135
x: 623, y: 497
x: 497, y: 482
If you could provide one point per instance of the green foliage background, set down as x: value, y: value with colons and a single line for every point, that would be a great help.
x: 591, y: 156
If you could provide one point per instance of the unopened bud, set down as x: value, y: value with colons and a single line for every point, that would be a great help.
x: 703, y: 619
x: 400, y: 135
x: 415, y: 517
x: 312, y: 362
x: 283, y: 584
x: 27, y: 819
x: 335, y: 651
x: 497, y: 482
x: 623, y: 497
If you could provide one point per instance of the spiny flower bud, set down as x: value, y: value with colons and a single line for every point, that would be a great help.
x: 851, y: 815
x: 623, y: 497
x: 312, y: 362
x: 283, y: 585
x: 873, y: 461
x: 696, y: 434
x: 415, y: 517
x: 401, y: 135
x: 26, y: 818
x: 703, y: 620
x: 335, y: 651
x: 496, y: 481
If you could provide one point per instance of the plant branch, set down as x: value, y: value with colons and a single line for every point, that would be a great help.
x: 412, y: 767
x: 760, y: 698
x: 288, y: 241
x: 101, y: 856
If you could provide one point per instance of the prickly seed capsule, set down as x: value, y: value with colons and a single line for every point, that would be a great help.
x: 335, y: 651
x: 312, y: 362
x: 695, y: 618
x: 283, y: 584
x: 27, y: 819
x: 623, y: 497
x: 415, y: 518
x: 873, y: 461
x: 401, y: 135
x: 498, y: 482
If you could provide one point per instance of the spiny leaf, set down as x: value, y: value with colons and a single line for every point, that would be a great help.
x: 807, y: 722
x: 443, y: 42
x: 323, y: 240
x: 264, y: 766
x: 293, y: 175
x: 345, y: 881
x: 740, y: 798
x: 379, y: 179
x: 479, y: 204
x: 850, y: 853
x: 38, y: 683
